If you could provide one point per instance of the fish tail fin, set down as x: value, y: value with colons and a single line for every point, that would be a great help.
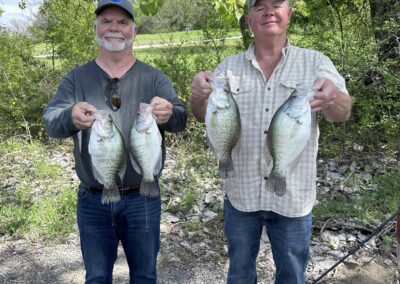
x: 110, y: 194
x: 148, y: 189
x: 225, y: 168
x: 276, y: 184
x: 280, y: 186
x: 270, y: 184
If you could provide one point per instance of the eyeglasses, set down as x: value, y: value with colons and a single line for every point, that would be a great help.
x: 112, y: 94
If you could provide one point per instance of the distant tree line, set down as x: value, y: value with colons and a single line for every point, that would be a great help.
x: 362, y: 37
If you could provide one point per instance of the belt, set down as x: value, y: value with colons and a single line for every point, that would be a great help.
x: 122, y: 190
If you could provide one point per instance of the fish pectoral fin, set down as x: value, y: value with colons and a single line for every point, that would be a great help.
x: 97, y: 174
x: 212, y: 148
x: 122, y: 170
x: 158, y: 165
x: 291, y: 167
x: 135, y: 165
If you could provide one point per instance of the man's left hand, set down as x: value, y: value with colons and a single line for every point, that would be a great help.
x: 325, y: 95
x: 162, y: 109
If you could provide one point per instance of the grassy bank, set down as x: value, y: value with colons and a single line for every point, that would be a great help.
x: 38, y: 188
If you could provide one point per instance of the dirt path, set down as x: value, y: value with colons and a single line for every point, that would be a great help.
x: 23, y: 261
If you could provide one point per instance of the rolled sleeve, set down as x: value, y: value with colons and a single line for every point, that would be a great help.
x: 327, y: 70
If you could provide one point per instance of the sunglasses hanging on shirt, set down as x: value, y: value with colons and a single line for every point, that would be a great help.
x: 113, y: 98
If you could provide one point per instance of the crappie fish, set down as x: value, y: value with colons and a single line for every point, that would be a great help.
x: 288, y: 134
x: 107, y: 153
x: 223, y: 124
x: 145, y: 149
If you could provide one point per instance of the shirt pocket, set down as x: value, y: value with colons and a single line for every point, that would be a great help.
x: 287, y: 87
x: 245, y: 93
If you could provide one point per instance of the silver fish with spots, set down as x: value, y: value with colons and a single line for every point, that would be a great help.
x: 222, y: 124
x: 145, y: 149
x: 107, y: 153
x: 288, y: 135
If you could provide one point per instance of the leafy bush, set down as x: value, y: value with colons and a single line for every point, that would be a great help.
x: 24, y: 87
x: 35, y: 200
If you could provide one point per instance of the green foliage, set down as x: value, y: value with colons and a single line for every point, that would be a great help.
x: 67, y: 29
x: 39, y: 204
x: 388, y: 243
x: 52, y: 218
x: 25, y: 86
x: 150, y: 7
x: 174, y: 15
x: 374, y: 204
x: 229, y: 10
x: 344, y: 31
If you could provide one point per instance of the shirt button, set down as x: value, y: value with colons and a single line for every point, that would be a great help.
x: 265, y: 131
x: 265, y: 178
x: 269, y: 89
x: 267, y: 109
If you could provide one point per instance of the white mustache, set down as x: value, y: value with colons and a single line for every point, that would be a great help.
x: 114, y: 35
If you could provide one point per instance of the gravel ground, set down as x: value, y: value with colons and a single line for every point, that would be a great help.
x: 197, y: 256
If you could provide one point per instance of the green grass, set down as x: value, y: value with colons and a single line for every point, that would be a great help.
x: 369, y: 206
x: 195, y: 35
x: 162, y: 38
x: 38, y: 203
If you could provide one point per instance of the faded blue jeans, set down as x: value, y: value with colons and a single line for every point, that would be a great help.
x: 289, y: 238
x: 134, y: 221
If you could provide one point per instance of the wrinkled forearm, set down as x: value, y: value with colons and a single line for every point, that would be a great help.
x: 199, y: 106
x: 340, y: 110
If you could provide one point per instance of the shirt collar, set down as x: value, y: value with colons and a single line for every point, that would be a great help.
x: 250, y: 51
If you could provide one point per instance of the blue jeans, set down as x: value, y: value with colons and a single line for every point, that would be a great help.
x: 289, y: 238
x: 135, y: 221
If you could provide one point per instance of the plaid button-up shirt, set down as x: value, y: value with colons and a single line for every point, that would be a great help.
x: 258, y: 99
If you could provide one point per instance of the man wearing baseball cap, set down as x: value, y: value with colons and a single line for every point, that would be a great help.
x: 262, y: 79
x: 118, y: 82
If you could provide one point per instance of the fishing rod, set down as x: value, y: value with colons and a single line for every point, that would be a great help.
x: 357, y: 247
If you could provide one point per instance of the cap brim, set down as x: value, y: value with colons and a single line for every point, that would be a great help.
x: 100, y: 9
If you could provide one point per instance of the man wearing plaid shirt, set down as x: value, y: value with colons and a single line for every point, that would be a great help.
x: 261, y: 79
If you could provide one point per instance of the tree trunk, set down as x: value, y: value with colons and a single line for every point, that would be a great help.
x: 388, y: 40
x: 246, y: 34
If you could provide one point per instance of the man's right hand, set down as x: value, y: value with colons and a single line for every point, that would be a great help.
x: 200, y: 85
x: 201, y: 90
x: 83, y: 115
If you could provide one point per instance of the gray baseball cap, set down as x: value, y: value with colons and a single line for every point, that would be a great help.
x: 250, y: 3
x: 123, y: 4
